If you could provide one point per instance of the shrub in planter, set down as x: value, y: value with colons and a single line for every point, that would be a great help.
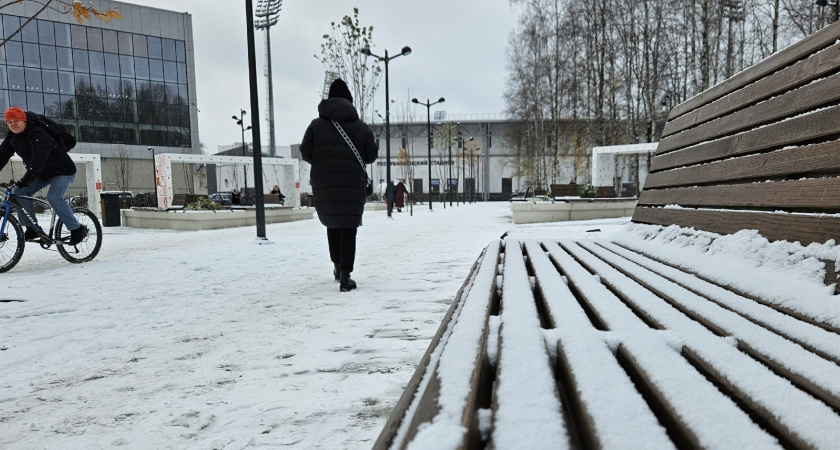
x: 586, y: 190
x: 204, y: 204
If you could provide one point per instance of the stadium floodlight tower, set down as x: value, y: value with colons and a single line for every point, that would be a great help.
x: 268, y: 13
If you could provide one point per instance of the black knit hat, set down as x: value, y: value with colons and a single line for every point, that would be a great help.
x: 338, y: 88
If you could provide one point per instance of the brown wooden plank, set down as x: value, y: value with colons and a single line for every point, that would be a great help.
x: 809, y: 159
x: 799, y: 74
x: 775, y: 227
x: 817, y: 41
x: 790, y: 104
x: 800, y: 130
x: 818, y: 194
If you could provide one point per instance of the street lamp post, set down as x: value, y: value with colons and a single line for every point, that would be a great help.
x: 154, y: 173
x: 463, y: 144
x: 428, y: 106
x: 386, y: 59
x: 239, y: 121
x: 836, y: 6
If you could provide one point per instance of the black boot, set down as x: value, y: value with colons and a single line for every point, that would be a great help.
x: 346, y: 284
x: 336, y: 272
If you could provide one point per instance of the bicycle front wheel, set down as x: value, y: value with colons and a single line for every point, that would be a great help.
x: 11, y: 244
x: 89, y: 247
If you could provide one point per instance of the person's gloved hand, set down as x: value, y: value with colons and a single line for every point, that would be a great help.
x: 25, y: 180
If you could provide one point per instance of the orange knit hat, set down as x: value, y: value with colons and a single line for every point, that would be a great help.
x: 15, y: 113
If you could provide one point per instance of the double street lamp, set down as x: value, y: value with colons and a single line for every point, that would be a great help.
x: 240, y: 121
x: 428, y: 106
x: 386, y: 59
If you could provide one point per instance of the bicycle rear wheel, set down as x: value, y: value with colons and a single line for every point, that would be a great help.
x: 89, y: 247
x: 11, y: 244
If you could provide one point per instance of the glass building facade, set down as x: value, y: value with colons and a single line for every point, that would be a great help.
x: 106, y: 86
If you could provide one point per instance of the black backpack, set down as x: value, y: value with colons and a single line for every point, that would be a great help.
x: 54, y: 129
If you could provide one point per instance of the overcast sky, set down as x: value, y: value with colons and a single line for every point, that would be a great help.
x: 458, y: 52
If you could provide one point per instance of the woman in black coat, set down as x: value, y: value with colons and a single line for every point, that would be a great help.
x: 337, y: 176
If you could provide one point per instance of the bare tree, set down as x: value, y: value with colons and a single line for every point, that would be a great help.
x: 121, y: 168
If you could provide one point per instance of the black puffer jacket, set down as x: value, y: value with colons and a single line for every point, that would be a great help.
x: 43, y: 156
x: 337, y: 178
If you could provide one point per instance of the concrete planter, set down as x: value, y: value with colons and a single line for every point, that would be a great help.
x: 209, y: 220
x: 572, y: 209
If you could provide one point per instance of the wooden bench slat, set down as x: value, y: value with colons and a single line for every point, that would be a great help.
x: 784, y: 356
x: 789, y: 104
x: 800, y: 161
x: 524, y: 380
x: 820, y: 194
x: 596, y: 382
x: 678, y: 391
x: 804, y: 229
x: 818, y: 340
x: 799, y: 130
x: 817, y: 41
x: 799, y: 74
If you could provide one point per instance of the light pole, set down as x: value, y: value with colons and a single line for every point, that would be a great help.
x: 154, y: 173
x: 239, y: 121
x: 836, y: 6
x: 428, y: 106
x: 462, y: 143
x: 386, y: 59
x: 268, y: 12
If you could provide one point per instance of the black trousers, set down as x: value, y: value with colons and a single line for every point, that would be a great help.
x: 342, y: 247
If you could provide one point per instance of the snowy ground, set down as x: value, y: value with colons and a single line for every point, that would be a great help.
x: 209, y: 340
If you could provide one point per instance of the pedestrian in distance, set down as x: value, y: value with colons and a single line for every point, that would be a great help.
x: 338, y: 144
x: 400, y: 191
x: 276, y: 190
x: 235, y: 199
x: 47, y: 165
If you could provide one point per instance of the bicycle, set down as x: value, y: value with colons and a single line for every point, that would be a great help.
x: 12, y: 239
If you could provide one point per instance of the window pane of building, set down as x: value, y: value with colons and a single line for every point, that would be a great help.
x: 127, y: 66
x: 48, y: 57
x: 113, y: 86
x: 180, y: 51
x: 52, y: 105
x: 97, y: 83
x: 14, y: 53
x: 30, y: 34
x: 78, y: 36
x: 169, y: 50
x: 88, y: 133
x: 156, y: 69
x: 50, y: 81
x: 3, y: 54
x: 115, y: 111
x: 3, y: 80
x: 10, y: 25
x: 126, y: 45
x: 127, y: 89
x: 68, y: 107
x: 141, y: 48
x: 144, y: 91
x: 155, y: 50
x: 17, y: 98
x: 109, y: 41
x: 172, y: 112
x: 183, y: 95
x: 33, y: 80
x: 117, y: 135
x: 16, y: 82
x: 4, y: 99
x: 35, y: 102
x: 170, y: 72
x: 112, y: 64
x: 97, y: 63
x: 158, y: 92
x: 31, y: 55
x: 66, y: 83
x: 46, y: 32
x: 82, y: 84
x: 130, y: 112
x: 131, y: 136
x: 80, y: 61
x: 182, y: 73
x: 94, y: 36
x: 184, y: 116
x: 64, y: 57
x: 62, y: 34
x: 145, y: 113
x: 141, y: 68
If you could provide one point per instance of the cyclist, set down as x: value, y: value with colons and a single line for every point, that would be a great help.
x: 47, y: 164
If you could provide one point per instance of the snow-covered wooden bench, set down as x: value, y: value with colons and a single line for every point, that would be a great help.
x: 709, y: 322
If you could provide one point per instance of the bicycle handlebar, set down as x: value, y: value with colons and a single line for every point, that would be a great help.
x: 10, y: 184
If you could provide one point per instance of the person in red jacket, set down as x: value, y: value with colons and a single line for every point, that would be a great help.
x: 47, y: 165
x: 400, y: 191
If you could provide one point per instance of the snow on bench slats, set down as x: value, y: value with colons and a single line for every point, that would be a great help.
x: 611, y: 408
x: 782, y: 273
x: 459, y: 362
x: 822, y: 376
x: 726, y: 423
x: 527, y: 406
x: 816, y: 339
x: 711, y: 420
